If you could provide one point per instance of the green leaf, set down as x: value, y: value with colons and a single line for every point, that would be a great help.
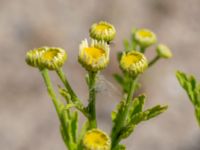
x: 190, y: 92
x: 147, y: 114
x: 137, y: 105
x: 84, y: 129
x: 124, y: 81
x: 119, y: 79
x: 133, y: 41
x: 197, y: 113
x: 64, y: 136
x: 139, y: 117
x: 126, y: 45
x: 117, y: 112
x: 63, y: 92
x: 189, y: 84
x: 120, y: 147
x: 74, y: 125
x: 119, y: 54
x: 126, y: 131
x: 155, y: 111
x: 87, y: 79
x: 193, y: 82
x: 66, y: 124
x: 196, y: 100
x: 192, y: 88
x: 182, y: 78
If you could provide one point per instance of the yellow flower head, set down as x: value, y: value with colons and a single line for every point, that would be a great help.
x: 102, y: 31
x: 46, y: 57
x: 53, y: 58
x: 163, y: 51
x: 145, y: 37
x: 133, y: 62
x: 96, y: 139
x: 94, y: 57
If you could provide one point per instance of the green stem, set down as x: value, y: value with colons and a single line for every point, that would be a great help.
x: 65, y: 137
x: 50, y: 90
x: 153, y: 61
x: 92, y: 100
x: 66, y: 123
x: 74, y: 97
x: 66, y: 84
x: 142, y: 49
x: 59, y: 108
x: 123, y: 117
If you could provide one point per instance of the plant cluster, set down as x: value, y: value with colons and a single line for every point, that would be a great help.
x: 94, y: 57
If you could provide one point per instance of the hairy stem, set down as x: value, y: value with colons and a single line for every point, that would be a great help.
x: 59, y: 108
x: 92, y: 100
x: 66, y: 84
x: 50, y: 90
x: 153, y: 61
x: 123, y: 117
x: 142, y: 49
x: 73, y: 95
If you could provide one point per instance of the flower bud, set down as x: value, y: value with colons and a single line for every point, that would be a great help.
x: 53, y: 58
x: 102, y: 31
x: 94, y: 57
x: 33, y: 57
x: 145, y: 37
x: 133, y: 63
x: 96, y: 139
x: 163, y: 51
x: 46, y: 57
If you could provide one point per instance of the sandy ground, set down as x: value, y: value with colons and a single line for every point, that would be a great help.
x: 27, y: 118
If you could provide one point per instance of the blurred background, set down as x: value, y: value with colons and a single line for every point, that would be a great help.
x: 27, y: 118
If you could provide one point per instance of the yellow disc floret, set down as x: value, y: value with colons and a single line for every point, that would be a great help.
x: 102, y: 31
x: 145, y: 37
x: 133, y: 63
x: 94, y: 57
x: 96, y: 139
x: 53, y: 58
